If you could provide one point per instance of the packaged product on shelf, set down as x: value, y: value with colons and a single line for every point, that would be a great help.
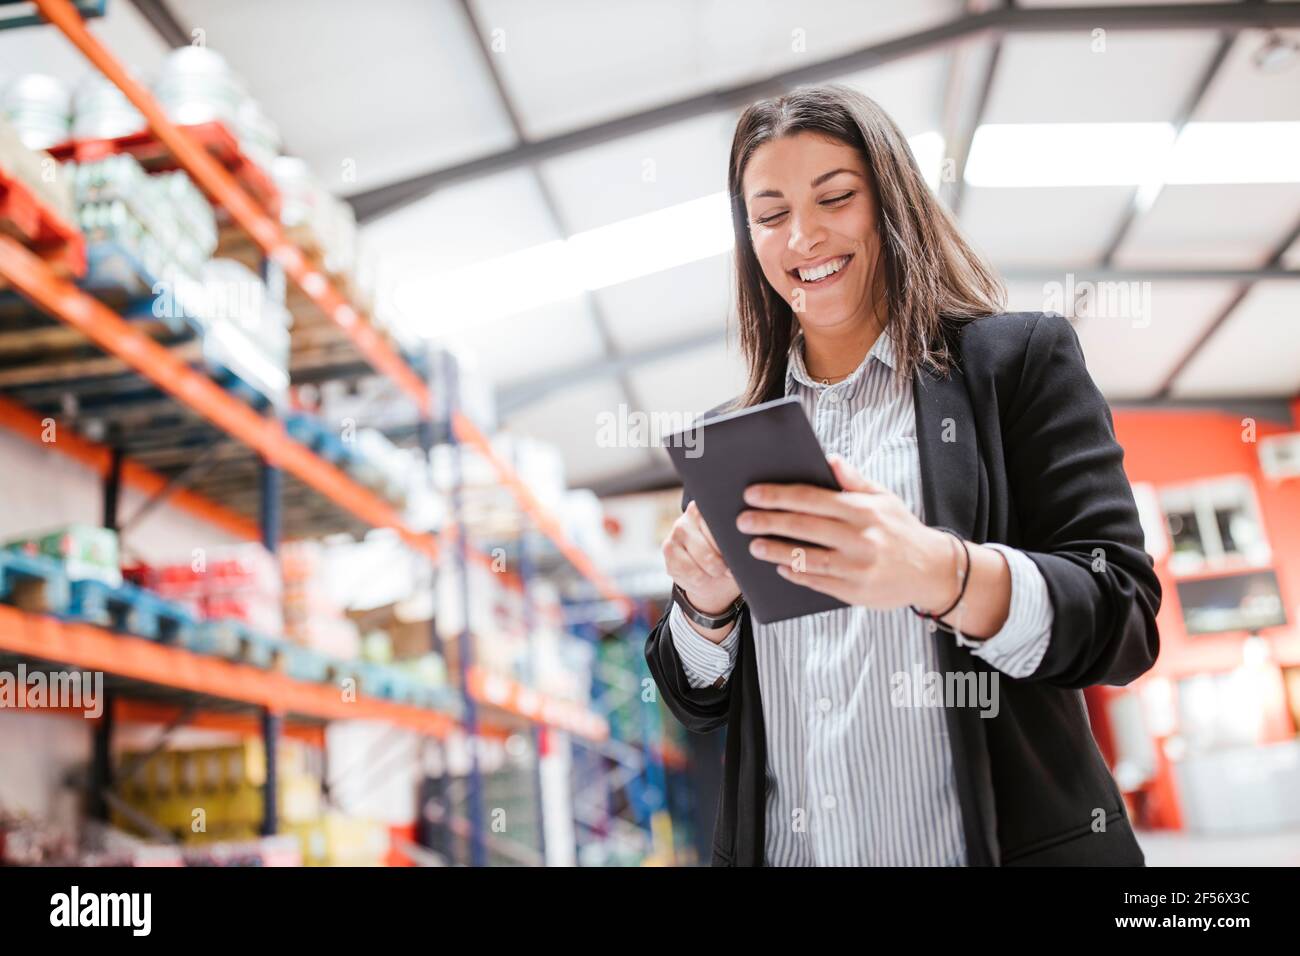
x: 102, y: 111
x: 148, y: 233
x: 87, y: 552
x: 337, y: 840
x: 322, y: 223
x: 247, y: 331
x: 39, y: 108
x: 383, y: 467
x: 196, y: 85
x: 32, y: 168
x: 236, y: 582
x: 313, y: 616
x: 226, y: 782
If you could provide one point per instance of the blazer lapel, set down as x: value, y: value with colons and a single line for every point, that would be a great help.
x: 949, y: 452
x: 954, y: 492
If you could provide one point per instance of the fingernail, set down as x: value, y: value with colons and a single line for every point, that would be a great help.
x: 753, y: 495
x: 757, y: 548
x: 745, y: 522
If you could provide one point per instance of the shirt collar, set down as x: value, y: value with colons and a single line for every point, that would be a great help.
x: 882, y: 351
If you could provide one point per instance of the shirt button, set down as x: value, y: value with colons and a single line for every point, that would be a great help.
x: 824, y: 705
x: 828, y: 801
x: 831, y: 396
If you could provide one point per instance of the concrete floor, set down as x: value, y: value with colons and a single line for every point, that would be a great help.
x: 1254, y: 849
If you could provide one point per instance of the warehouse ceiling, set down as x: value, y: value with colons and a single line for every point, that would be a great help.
x: 467, y: 132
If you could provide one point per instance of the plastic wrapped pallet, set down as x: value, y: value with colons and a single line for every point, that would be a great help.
x: 87, y: 552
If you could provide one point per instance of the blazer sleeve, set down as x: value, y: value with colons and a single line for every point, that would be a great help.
x: 1078, y: 520
x: 700, y: 709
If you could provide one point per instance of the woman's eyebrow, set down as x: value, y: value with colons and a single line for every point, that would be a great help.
x: 777, y: 194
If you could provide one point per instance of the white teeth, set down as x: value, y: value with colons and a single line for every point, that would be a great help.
x: 823, y: 270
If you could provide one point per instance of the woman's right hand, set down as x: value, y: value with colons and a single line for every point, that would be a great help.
x: 695, y: 564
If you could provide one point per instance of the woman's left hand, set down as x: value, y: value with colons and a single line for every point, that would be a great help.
x: 865, y: 546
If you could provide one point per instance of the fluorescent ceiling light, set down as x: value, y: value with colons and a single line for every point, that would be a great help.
x: 1068, y: 154
x: 928, y: 150
x: 1236, y: 153
x: 1133, y: 154
x: 552, y: 272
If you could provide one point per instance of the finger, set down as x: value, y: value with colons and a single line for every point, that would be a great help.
x: 806, y: 498
x: 698, y: 547
x: 683, y: 568
x: 835, y: 587
x: 800, y: 557
x: 704, y: 529
x: 803, y: 527
x: 851, y: 479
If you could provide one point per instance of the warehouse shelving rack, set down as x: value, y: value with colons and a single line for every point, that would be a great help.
x: 143, y: 669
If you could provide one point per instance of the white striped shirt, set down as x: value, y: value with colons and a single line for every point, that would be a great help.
x: 857, y: 773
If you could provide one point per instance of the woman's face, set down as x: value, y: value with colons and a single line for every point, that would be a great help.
x: 811, y: 209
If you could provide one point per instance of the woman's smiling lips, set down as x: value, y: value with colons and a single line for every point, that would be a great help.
x: 830, y: 279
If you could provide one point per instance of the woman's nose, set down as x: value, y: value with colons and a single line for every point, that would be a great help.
x: 805, y: 234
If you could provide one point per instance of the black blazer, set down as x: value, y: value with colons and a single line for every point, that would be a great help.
x: 1034, y: 465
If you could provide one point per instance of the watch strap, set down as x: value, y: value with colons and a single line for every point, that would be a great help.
x: 710, y: 621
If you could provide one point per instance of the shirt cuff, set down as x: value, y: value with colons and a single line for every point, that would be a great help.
x: 1018, y: 648
x: 702, y: 660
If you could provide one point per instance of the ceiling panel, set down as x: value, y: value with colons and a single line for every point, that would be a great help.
x: 669, y: 306
x: 1256, y: 352
x: 641, y: 174
x: 691, y: 383
x: 1134, y: 335
x: 911, y: 90
x: 1057, y: 78
x: 393, y: 87
x: 571, y: 420
x: 1230, y: 226
x: 1050, y: 225
x: 520, y: 347
x: 1131, y: 349
x: 570, y: 63
x: 1243, y: 93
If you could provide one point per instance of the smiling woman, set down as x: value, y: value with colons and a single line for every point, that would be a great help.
x: 984, y: 532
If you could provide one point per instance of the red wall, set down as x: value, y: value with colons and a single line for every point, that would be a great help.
x: 1176, y: 447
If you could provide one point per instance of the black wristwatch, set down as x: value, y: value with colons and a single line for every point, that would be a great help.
x: 708, y: 620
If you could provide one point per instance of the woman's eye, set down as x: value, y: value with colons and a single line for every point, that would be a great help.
x: 837, y: 199
x: 768, y: 220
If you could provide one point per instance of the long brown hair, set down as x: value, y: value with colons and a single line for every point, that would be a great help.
x: 933, y: 280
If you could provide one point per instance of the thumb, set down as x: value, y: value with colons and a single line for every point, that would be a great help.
x: 850, y: 478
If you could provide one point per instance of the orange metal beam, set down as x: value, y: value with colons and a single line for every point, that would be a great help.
x: 522, y: 701
x: 34, y: 279
x: 25, y: 423
x: 268, y: 234
x: 218, y: 183
x: 91, y: 648
x: 246, y: 725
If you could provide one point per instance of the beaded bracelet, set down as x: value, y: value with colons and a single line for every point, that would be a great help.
x: 963, y: 578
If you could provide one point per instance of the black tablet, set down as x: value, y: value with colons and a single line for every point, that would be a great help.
x: 718, y: 458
